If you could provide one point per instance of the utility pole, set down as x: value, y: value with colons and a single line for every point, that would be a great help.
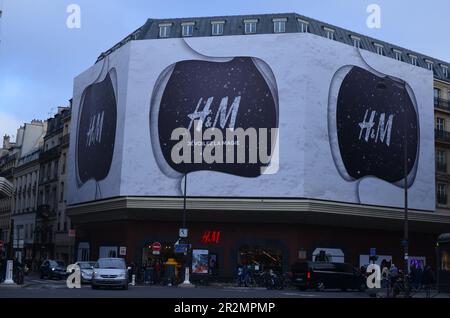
x: 406, y: 221
x: 186, y: 282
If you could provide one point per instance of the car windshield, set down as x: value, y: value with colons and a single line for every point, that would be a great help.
x: 86, y: 265
x: 110, y: 263
x: 57, y: 264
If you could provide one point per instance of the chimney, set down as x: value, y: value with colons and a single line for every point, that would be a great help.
x: 6, y: 142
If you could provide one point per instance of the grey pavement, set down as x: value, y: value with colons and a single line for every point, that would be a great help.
x: 45, y: 288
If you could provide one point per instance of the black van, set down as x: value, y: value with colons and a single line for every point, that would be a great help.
x: 324, y: 275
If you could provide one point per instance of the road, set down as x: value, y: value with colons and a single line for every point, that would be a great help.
x: 37, y: 288
x: 44, y: 288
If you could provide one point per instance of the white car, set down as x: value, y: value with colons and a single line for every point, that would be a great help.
x: 110, y: 272
x: 87, y: 269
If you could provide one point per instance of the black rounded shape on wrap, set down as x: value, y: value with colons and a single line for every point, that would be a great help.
x: 96, y: 131
x: 362, y: 93
x: 193, y: 80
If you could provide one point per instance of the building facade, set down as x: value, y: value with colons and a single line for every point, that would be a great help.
x: 20, y: 206
x: 51, y: 228
x: 268, y: 231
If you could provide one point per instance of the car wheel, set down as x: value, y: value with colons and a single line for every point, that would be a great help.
x: 362, y: 287
x: 42, y: 276
x: 94, y: 287
x: 344, y: 289
x: 320, y: 286
x: 125, y: 287
x: 303, y: 288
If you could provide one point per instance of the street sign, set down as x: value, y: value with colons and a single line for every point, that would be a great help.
x: 373, y: 251
x: 72, y: 233
x: 183, y: 233
x: 123, y: 251
x: 181, y: 248
x: 156, y: 248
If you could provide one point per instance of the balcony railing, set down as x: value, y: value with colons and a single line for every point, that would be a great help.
x: 50, y: 154
x: 442, y: 104
x: 65, y: 140
x: 442, y: 135
x: 441, y: 167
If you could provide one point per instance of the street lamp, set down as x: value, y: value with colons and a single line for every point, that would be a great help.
x: 405, y: 243
x: 186, y: 282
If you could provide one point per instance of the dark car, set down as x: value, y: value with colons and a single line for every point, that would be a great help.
x: 325, y: 275
x: 53, y: 269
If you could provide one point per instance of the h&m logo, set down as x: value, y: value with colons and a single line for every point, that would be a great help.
x: 381, y: 133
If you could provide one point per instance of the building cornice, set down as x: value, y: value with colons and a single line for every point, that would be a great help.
x: 257, y: 210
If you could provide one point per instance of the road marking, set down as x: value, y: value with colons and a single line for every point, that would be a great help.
x: 300, y: 295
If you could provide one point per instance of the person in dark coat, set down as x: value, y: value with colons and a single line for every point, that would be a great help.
x: 428, y: 280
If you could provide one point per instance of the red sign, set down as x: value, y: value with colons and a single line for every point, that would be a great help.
x: 156, y: 246
x: 72, y: 233
x: 211, y: 237
x: 1, y: 243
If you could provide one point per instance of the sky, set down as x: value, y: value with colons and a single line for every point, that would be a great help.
x: 40, y: 55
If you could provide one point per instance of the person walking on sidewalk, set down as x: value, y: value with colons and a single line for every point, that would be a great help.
x: 428, y: 280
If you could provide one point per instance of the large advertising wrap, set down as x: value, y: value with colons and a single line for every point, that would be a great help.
x: 261, y: 116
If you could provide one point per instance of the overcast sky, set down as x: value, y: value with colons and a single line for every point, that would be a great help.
x: 40, y: 56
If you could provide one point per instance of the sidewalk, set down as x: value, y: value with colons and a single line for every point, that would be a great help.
x: 382, y: 293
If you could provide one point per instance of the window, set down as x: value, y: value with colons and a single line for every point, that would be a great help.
x: 279, y: 25
x: 330, y: 33
x: 442, y: 193
x: 61, y: 195
x: 429, y: 64
x: 445, y: 70
x: 187, y: 28
x: 304, y: 26
x: 250, y: 26
x: 440, y: 124
x: 441, y: 162
x: 413, y: 59
x: 398, y: 55
x: 437, y: 93
x: 356, y: 41
x: 164, y: 30
x: 63, y: 168
x: 217, y: 27
x: 379, y: 48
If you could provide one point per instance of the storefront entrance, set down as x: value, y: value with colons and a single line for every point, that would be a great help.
x: 261, y: 258
x: 153, y: 263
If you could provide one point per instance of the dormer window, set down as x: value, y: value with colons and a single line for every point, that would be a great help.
x: 217, y: 27
x: 164, y: 30
x: 430, y: 64
x: 413, y: 59
x: 444, y: 70
x: 187, y: 28
x: 398, y: 54
x: 379, y: 48
x: 279, y: 25
x: 304, y: 25
x: 329, y: 33
x: 250, y: 26
x: 356, y: 41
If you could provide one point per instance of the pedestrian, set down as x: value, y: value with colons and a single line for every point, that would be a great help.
x: 393, y: 274
x: 428, y: 280
x: 157, y: 271
x: 385, y: 277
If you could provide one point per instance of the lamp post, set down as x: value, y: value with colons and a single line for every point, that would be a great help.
x: 406, y: 221
x: 405, y: 243
x: 186, y: 282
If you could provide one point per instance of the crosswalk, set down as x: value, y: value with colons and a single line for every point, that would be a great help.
x: 48, y: 284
